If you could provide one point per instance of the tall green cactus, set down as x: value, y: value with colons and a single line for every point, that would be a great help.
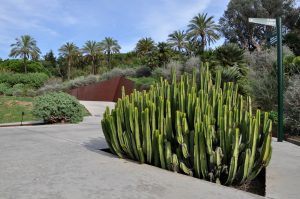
x: 199, y: 128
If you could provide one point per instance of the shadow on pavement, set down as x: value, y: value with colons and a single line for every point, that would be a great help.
x: 97, y: 145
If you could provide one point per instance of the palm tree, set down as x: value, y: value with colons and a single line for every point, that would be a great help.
x: 177, y: 40
x: 204, y: 30
x: 91, y: 50
x: 231, y: 55
x: 164, y: 53
x: 191, y: 48
x: 145, y: 46
x: 70, y: 52
x: 109, y: 46
x: 25, y: 47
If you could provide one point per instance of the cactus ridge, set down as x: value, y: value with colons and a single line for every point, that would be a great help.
x: 192, y: 126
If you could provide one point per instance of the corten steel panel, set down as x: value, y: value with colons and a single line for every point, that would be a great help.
x: 109, y: 90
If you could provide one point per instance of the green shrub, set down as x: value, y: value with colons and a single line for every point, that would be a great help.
x: 200, y: 129
x: 143, y: 71
x: 191, y: 63
x: 81, y: 81
x: 296, y: 61
x: 292, y: 105
x: 15, y: 65
x: 18, y: 90
x: 35, y: 80
x: 3, y: 88
x: 274, y: 116
x: 57, y: 107
x: 31, y: 93
x: 9, y: 91
x: 127, y: 72
x: 143, y: 83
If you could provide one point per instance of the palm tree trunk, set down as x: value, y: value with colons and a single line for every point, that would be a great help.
x: 24, y: 62
x: 108, y: 60
x: 93, y: 66
x: 69, y: 68
x: 202, y: 47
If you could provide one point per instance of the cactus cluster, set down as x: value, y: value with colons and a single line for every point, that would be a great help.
x: 192, y: 126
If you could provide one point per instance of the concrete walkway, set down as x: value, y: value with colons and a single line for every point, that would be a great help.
x: 97, y: 108
x: 283, y: 172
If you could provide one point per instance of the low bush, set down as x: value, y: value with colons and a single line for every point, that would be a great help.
x: 81, y: 81
x: 17, y: 66
x: 292, y: 105
x: 58, y: 107
x: 31, y: 93
x: 127, y: 72
x: 201, y: 129
x: 143, y: 71
x: 291, y: 65
x: 177, y: 66
x: 263, y: 84
x: 157, y: 72
x: 143, y: 83
x: 3, y: 88
x: 35, y: 80
x: 191, y: 63
x: 274, y: 116
x: 19, y: 90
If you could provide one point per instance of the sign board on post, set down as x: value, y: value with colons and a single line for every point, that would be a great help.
x: 277, y: 23
x: 263, y: 21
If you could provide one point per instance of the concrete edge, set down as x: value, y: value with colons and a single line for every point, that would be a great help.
x: 293, y: 141
x: 28, y: 123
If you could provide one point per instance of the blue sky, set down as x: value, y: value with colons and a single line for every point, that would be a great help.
x: 54, y: 22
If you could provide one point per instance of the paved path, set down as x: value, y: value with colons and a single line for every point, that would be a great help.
x: 63, y: 162
x: 283, y: 172
x: 96, y: 108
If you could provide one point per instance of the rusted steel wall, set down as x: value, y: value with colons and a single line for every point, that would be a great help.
x: 109, y: 90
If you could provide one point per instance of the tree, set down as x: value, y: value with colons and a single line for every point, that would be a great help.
x: 70, y: 52
x: 146, y: 50
x: 145, y: 46
x: 177, y: 40
x: 203, y: 29
x: 233, y: 65
x: 25, y: 47
x: 237, y: 29
x: 91, y: 50
x: 292, y: 40
x: 191, y: 48
x: 231, y: 55
x: 109, y: 46
x: 164, y: 53
x: 49, y: 57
